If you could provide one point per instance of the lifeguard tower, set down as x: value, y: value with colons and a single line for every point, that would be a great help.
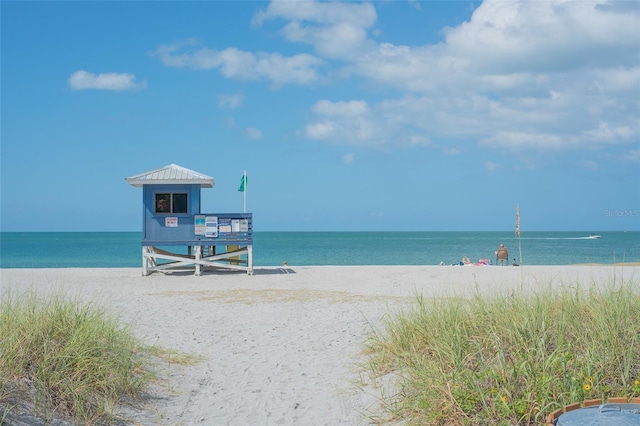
x: 171, y: 218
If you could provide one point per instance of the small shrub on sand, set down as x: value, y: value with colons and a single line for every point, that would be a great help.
x: 67, y: 360
x: 509, y: 360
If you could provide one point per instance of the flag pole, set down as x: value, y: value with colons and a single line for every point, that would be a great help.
x: 245, y: 192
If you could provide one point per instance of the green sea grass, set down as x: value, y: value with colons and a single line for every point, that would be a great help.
x: 67, y: 360
x: 508, y: 360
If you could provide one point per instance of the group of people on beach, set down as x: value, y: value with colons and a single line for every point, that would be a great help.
x: 502, y: 258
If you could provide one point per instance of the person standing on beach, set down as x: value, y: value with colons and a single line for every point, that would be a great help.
x: 502, y: 255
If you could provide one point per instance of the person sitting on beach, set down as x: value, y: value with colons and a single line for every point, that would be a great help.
x: 502, y: 255
x: 514, y: 262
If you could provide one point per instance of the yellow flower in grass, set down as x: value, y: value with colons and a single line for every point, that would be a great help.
x: 636, y: 382
x: 587, y: 387
x: 505, y: 399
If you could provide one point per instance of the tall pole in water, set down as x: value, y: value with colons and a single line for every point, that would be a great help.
x: 518, y: 231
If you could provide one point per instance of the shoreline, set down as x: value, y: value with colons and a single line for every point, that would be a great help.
x: 630, y: 263
x: 282, y: 346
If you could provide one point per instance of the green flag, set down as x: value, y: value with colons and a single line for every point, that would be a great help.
x: 243, y: 182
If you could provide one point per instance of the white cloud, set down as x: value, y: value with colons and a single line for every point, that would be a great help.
x: 555, y: 122
x: 340, y: 108
x: 605, y: 134
x: 347, y: 123
x: 521, y: 75
x: 415, y: 4
x: 360, y: 14
x: 83, y: 80
x: 617, y: 80
x: 510, y: 45
x: 230, y: 101
x: 320, y: 130
x: 451, y: 150
x: 557, y: 36
x: 632, y: 155
x: 239, y: 64
x: 416, y: 140
x: 537, y: 141
x: 334, y: 29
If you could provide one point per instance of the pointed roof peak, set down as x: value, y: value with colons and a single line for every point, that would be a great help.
x: 171, y: 174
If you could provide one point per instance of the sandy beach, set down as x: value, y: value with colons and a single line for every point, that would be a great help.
x: 283, y: 346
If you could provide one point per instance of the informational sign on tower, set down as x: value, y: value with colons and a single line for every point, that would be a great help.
x: 211, y: 226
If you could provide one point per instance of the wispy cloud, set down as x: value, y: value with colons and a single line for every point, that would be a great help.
x: 239, y: 64
x: 83, y: 80
x: 230, y: 101
x: 499, y: 79
x: 230, y: 122
x: 343, y: 122
x: 252, y: 133
x: 348, y: 158
x: 588, y: 164
x: 491, y: 166
x: 632, y: 155
x: 520, y: 75
x: 333, y: 29
x: 605, y: 134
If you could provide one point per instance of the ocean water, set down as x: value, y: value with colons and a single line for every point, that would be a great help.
x: 123, y: 249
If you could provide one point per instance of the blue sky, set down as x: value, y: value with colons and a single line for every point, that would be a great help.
x: 386, y: 115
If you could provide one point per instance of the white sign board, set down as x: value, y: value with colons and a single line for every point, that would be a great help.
x: 200, y: 227
x: 211, y: 226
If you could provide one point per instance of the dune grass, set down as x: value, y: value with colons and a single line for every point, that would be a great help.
x: 509, y: 360
x: 67, y: 360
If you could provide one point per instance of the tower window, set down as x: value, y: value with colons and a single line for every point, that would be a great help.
x: 168, y: 202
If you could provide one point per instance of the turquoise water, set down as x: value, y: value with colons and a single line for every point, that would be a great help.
x: 123, y: 249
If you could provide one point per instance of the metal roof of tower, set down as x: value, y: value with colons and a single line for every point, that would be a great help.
x: 171, y: 174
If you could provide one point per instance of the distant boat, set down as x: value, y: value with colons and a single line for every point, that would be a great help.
x: 593, y: 237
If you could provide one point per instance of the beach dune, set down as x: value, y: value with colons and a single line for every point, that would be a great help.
x: 283, y: 346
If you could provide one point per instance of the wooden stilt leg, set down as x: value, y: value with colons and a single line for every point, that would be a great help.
x: 249, y: 260
x: 198, y: 256
x: 145, y: 262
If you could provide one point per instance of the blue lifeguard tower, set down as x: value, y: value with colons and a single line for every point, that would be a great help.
x: 171, y: 218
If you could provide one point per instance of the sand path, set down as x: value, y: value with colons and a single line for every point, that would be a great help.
x: 281, y: 347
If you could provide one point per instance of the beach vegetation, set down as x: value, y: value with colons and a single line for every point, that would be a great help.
x: 508, y: 360
x: 67, y: 360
